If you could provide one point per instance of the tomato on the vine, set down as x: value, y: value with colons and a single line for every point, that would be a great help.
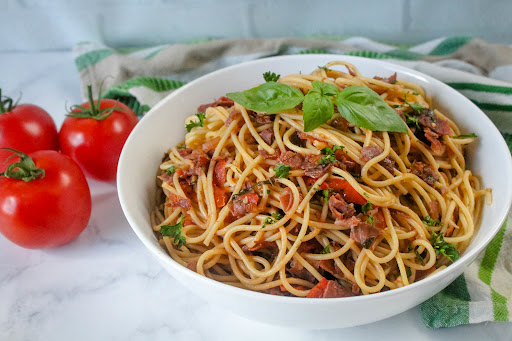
x: 44, y: 200
x: 94, y: 134
x: 25, y: 127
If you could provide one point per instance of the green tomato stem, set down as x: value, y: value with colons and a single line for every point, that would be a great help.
x: 25, y: 169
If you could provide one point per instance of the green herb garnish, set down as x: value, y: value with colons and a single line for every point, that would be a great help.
x: 277, y: 215
x: 430, y: 222
x: 419, y: 257
x: 326, y: 193
x: 270, y: 77
x: 418, y: 109
x: 201, y: 116
x: 365, y: 108
x: 282, y: 171
x: 366, y: 207
x: 318, y: 105
x: 175, y: 232
x: 413, y: 120
x: 171, y: 170
x: 370, y: 219
x: 269, y: 97
x: 324, y: 68
x: 268, y: 220
x: 408, y: 272
x: 443, y: 247
x: 464, y: 136
x: 329, y: 155
x: 326, y: 249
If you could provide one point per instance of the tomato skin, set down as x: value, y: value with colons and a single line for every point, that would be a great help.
x: 96, y: 144
x: 26, y: 128
x: 349, y: 193
x: 49, y: 211
x: 318, y: 290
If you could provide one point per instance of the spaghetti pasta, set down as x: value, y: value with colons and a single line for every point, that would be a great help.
x: 251, y: 200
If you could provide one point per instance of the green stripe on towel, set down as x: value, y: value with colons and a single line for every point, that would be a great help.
x: 482, y: 87
x: 449, y: 308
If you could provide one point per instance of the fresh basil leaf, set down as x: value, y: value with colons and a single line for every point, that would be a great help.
x: 270, y: 97
x: 317, y: 109
x: 325, y: 89
x: 365, y: 108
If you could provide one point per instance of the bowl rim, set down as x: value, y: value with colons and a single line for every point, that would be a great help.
x: 466, y: 257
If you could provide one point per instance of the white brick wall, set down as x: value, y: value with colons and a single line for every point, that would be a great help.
x: 59, y: 24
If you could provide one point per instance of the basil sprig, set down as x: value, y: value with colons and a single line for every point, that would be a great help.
x: 269, y: 97
x: 357, y: 104
x: 318, y: 106
x: 365, y: 108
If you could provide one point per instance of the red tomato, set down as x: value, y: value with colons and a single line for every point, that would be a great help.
x: 95, y: 142
x: 48, y: 210
x: 319, y: 289
x: 349, y: 193
x: 25, y: 127
x: 220, y: 196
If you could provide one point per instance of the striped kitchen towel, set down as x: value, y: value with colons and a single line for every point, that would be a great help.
x: 479, y: 70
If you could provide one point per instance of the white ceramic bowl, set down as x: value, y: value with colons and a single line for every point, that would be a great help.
x: 163, y: 127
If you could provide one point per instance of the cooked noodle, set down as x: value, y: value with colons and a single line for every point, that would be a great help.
x: 256, y: 249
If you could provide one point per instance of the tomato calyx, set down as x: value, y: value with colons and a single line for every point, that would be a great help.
x: 6, y: 103
x: 25, y: 169
x: 94, y: 111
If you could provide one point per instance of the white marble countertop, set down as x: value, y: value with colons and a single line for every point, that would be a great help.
x: 106, y: 286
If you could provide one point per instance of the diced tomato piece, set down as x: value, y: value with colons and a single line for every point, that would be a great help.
x: 220, y: 196
x: 349, y: 193
x: 318, y: 290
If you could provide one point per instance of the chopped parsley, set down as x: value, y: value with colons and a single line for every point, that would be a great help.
x: 430, y: 222
x: 270, y: 76
x: 418, y: 109
x: 268, y: 191
x: 326, y: 249
x: 396, y: 106
x: 443, y: 247
x: 329, y: 155
x: 201, y: 116
x: 324, y: 68
x: 171, y: 170
x: 419, y: 257
x: 175, y: 232
x: 415, y: 93
x: 277, y: 215
x: 326, y: 193
x: 408, y: 272
x: 464, y: 136
x: 411, y: 120
x: 366, y: 207
x: 282, y: 171
x: 181, y: 146
x: 270, y: 220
